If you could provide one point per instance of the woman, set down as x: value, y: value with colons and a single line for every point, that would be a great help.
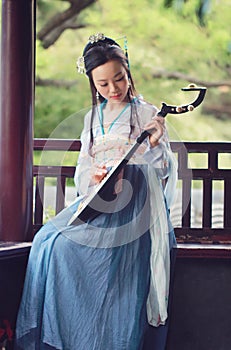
x: 98, y: 284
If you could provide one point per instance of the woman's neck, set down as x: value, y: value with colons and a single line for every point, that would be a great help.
x: 114, y: 106
x: 111, y: 106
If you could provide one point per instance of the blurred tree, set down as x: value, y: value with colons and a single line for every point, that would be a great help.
x: 70, y: 17
x: 54, y: 17
x: 60, y: 21
x: 202, y: 9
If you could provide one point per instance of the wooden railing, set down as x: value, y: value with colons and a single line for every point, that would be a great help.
x: 210, y: 173
x: 187, y: 229
x: 60, y: 173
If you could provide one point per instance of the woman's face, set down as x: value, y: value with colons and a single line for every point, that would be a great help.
x: 111, y: 81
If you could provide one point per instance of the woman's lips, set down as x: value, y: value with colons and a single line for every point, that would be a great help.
x: 115, y: 97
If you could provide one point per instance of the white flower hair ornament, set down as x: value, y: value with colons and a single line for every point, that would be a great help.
x: 80, y: 61
x: 81, y: 65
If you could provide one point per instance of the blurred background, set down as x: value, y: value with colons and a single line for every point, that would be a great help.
x: 171, y: 43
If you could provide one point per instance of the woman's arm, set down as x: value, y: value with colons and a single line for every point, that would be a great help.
x: 159, y: 156
x: 158, y: 148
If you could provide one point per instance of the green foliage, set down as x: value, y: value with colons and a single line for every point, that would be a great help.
x: 159, y: 38
x: 57, y: 114
x: 47, y: 9
x: 201, y: 9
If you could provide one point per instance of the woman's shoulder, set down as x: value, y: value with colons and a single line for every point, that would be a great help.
x: 142, y: 103
x: 88, y: 117
x: 146, y: 109
x: 88, y: 114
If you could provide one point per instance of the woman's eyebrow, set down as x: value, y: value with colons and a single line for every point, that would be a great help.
x: 115, y: 76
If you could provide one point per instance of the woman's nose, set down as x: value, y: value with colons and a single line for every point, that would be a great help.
x: 113, y: 87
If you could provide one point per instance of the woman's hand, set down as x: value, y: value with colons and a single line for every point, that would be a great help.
x: 98, y: 173
x: 156, y: 127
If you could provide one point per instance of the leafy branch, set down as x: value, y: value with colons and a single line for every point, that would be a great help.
x: 181, y: 76
x: 61, y: 21
x: 55, y: 82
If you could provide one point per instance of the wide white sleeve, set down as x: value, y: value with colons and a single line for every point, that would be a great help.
x: 165, y: 163
x: 159, y: 156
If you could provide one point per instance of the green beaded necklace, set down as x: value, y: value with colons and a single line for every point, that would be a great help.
x: 101, y: 117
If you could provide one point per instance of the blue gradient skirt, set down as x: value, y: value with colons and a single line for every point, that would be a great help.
x: 86, y: 297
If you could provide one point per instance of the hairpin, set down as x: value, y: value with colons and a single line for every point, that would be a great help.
x: 81, y: 65
x: 126, y: 50
x: 96, y: 37
x: 80, y: 61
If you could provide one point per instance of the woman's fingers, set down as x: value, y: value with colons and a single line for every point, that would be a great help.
x: 99, y: 172
x: 156, y: 127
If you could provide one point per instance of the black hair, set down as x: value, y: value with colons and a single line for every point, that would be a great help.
x: 98, y: 53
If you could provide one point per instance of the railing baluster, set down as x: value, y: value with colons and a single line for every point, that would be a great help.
x: 186, y: 202
x: 39, y: 199
x: 207, y: 203
x: 60, y: 193
x: 227, y: 203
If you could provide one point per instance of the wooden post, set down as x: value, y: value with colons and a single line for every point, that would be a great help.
x: 16, y: 119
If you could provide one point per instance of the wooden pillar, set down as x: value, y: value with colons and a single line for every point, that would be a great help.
x: 16, y: 119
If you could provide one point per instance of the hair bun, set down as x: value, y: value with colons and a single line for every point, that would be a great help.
x: 98, y: 39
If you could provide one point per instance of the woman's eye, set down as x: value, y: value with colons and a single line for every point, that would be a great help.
x: 103, y: 85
